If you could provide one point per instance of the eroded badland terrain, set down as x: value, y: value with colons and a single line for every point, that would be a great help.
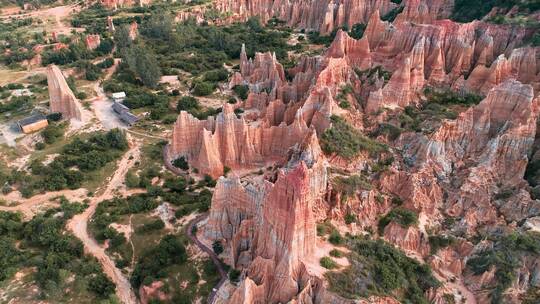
x: 259, y: 151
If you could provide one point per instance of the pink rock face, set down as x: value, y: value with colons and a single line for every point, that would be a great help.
x: 271, y: 227
x: 230, y: 141
x: 60, y: 46
x: 319, y: 15
x: 133, y: 30
x: 92, y: 41
x: 152, y: 291
x: 61, y: 97
x: 263, y: 72
x: 356, y: 52
x: 409, y: 239
x: 110, y: 24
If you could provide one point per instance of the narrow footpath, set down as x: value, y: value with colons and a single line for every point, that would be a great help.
x: 210, y: 252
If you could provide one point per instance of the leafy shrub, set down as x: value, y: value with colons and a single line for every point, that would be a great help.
x: 101, y: 285
x: 336, y: 253
x: 54, y: 116
x: 106, y: 63
x: 242, y: 91
x: 217, y: 247
x: 328, y: 263
x: 234, y: 275
x: 52, y: 133
x: 379, y: 268
x: 216, y: 75
x: 335, y: 237
x: 188, y: 103
x: 203, y: 88
x: 350, y: 218
x: 345, y: 141
x: 391, y: 15
x: 437, y: 242
x: 403, y: 217
x: 357, y: 30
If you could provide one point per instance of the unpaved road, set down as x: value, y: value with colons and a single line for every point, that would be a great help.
x: 210, y: 252
x: 30, y: 206
x: 59, y: 13
x: 79, y: 225
x: 102, y: 105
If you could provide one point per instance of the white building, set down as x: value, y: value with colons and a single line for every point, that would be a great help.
x: 119, y: 96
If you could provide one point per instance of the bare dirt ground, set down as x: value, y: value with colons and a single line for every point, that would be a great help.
x: 56, y: 15
x: 102, y: 104
x: 79, y: 224
x: 30, y: 206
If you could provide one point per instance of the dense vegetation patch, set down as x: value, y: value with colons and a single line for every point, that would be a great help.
x: 505, y: 256
x: 404, y: 217
x: 344, y: 140
x: 75, y: 163
x: 379, y: 268
x: 200, y: 48
x: 469, y: 10
x: 168, y: 252
x: 62, y: 271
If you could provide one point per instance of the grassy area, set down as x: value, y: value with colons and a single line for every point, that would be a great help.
x: 50, y: 258
x: 81, y: 160
x: 378, y: 268
x: 505, y: 255
x: 344, y: 140
x: 404, y: 217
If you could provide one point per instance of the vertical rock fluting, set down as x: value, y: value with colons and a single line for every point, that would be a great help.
x: 62, y: 100
x: 319, y: 15
x: 270, y: 227
x: 230, y: 141
x: 486, y: 147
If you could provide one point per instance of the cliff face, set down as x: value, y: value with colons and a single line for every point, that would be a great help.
x: 61, y: 97
x: 92, y: 41
x: 227, y: 140
x: 320, y: 15
x: 455, y: 171
x: 471, y: 159
x: 270, y: 227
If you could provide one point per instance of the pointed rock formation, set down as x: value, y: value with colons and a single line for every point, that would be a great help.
x: 356, y: 52
x: 92, y: 41
x: 320, y: 15
x: 62, y: 99
x: 229, y: 141
x: 270, y: 227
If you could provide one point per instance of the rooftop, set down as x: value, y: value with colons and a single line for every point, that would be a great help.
x: 118, y: 95
x: 31, y: 120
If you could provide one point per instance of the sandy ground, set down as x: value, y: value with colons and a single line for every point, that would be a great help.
x: 59, y: 13
x: 102, y: 105
x: 8, y: 134
x: 78, y: 224
x: 323, y: 249
x: 30, y: 206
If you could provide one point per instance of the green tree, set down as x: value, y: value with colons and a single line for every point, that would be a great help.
x: 121, y: 37
x: 101, y: 285
x: 142, y: 62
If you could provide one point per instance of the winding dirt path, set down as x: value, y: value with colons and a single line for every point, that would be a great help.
x: 30, y: 206
x: 79, y: 225
x: 210, y: 252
